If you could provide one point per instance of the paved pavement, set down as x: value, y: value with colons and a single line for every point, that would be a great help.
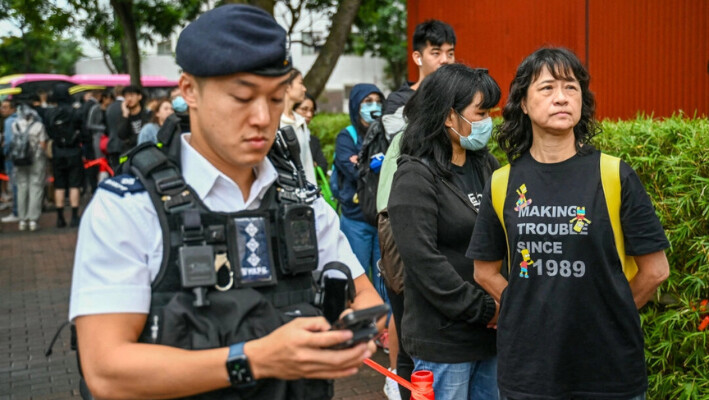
x: 35, y: 279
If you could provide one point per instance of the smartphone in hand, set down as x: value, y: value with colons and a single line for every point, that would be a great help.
x: 362, y: 323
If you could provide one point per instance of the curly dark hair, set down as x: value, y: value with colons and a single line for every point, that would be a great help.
x: 452, y: 86
x: 514, y: 135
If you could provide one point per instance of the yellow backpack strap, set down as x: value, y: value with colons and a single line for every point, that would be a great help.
x: 610, y: 180
x: 498, y: 191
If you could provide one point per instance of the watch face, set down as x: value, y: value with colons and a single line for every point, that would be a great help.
x: 239, y: 372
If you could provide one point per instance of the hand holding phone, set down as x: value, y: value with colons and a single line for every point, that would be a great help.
x: 362, y: 323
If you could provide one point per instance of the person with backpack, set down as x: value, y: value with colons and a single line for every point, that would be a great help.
x: 63, y: 126
x: 584, y: 247
x: 365, y: 106
x: 28, y: 153
x: 9, y: 112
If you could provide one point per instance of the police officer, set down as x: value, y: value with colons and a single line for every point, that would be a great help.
x: 235, y: 67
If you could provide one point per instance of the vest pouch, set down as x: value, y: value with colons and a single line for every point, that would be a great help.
x: 306, y: 389
x: 233, y: 316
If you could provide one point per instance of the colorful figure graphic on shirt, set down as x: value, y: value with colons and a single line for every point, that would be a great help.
x: 580, y: 219
x: 524, y: 265
x: 522, y: 202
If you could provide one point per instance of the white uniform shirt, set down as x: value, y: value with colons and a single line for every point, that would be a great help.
x: 303, y: 133
x: 119, y: 248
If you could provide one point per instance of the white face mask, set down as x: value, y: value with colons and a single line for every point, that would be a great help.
x: 480, y: 132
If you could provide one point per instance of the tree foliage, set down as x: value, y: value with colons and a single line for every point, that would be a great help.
x: 39, y: 44
x: 381, y: 31
x: 118, y: 28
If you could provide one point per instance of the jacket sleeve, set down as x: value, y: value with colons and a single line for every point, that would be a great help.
x: 344, y: 149
x: 95, y: 121
x: 413, y: 211
x: 123, y: 128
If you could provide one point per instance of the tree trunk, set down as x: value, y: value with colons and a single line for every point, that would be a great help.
x: 340, y: 28
x: 266, y: 5
x: 124, y: 12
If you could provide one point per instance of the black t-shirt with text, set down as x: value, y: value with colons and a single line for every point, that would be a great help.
x: 568, y: 326
x: 465, y: 178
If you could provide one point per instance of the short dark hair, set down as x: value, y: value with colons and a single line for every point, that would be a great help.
x: 132, y: 89
x: 434, y: 32
x: 309, y: 97
x: 450, y: 87
x: 514, y: 135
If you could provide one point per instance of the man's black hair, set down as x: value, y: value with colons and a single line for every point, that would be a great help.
x: 434, y: 32
x: 132, y: 89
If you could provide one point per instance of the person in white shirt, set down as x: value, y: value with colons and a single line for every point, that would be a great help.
x: 295, y: 93
x: 234, y: 105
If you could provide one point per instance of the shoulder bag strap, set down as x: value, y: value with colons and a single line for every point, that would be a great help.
x: 498, y: 191
x: 610, y: 180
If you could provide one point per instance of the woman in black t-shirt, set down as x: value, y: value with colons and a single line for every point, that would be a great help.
x: 442, y: 170
x: 568, y: 326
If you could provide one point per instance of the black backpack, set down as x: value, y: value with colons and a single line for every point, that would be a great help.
x: 374, y: 147
x: 63, y: 126
x: 21, y: 153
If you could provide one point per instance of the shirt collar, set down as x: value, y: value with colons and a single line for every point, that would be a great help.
x: 297, y: 120
x: 206, y: 179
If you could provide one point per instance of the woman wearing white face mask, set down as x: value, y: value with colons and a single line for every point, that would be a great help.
x: 448, y: 320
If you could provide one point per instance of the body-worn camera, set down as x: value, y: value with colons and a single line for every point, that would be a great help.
x: 299, y: 245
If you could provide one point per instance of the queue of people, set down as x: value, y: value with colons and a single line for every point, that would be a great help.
x: 76, y: 141
x: 514, y: 282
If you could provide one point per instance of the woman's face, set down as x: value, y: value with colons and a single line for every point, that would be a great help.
x: 553, y: 105
x: 306, y: 109
x: 471, y: 113
x: 372, y: 101
x: 164, y: 111
x: 296, y: 90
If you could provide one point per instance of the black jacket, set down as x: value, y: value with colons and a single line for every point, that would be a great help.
x: 398, y: 98
x: 445, y: 311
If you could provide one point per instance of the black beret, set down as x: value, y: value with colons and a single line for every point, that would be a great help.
x: 233, y: 38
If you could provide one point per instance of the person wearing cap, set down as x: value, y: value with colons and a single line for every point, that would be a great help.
x: 235, y: 103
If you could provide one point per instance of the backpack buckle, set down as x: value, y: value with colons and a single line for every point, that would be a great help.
x: 168, y: 184
x: 179, y: 202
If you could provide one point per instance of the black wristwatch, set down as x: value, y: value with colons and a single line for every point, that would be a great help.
x: 237, y: 366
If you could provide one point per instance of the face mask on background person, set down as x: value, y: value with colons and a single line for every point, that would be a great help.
x: 480, y: 132
x: 370, y: 111
x: 179, y: 104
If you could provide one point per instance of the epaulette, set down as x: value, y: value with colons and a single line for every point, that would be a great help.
x: 122, y: 184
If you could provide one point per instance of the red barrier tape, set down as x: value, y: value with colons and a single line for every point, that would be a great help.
x: 418, y: 391
x: 101, y: 163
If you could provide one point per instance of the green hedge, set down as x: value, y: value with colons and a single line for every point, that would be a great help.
x: 671, y: 157
x: 326, y: 126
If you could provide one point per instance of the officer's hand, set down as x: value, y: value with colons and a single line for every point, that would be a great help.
x: 299, y: 349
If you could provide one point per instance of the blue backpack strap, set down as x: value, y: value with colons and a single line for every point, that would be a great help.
x: 353, y: 133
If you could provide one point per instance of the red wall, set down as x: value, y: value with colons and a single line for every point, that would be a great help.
x: 647, y: 56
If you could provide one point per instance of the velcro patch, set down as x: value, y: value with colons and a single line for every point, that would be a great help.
x: 122, y: 184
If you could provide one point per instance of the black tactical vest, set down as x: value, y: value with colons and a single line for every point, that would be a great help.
x: 235, y: 309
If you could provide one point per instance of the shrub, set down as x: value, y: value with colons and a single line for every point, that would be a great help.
x: 326, y: 126
x: 672, y: 159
